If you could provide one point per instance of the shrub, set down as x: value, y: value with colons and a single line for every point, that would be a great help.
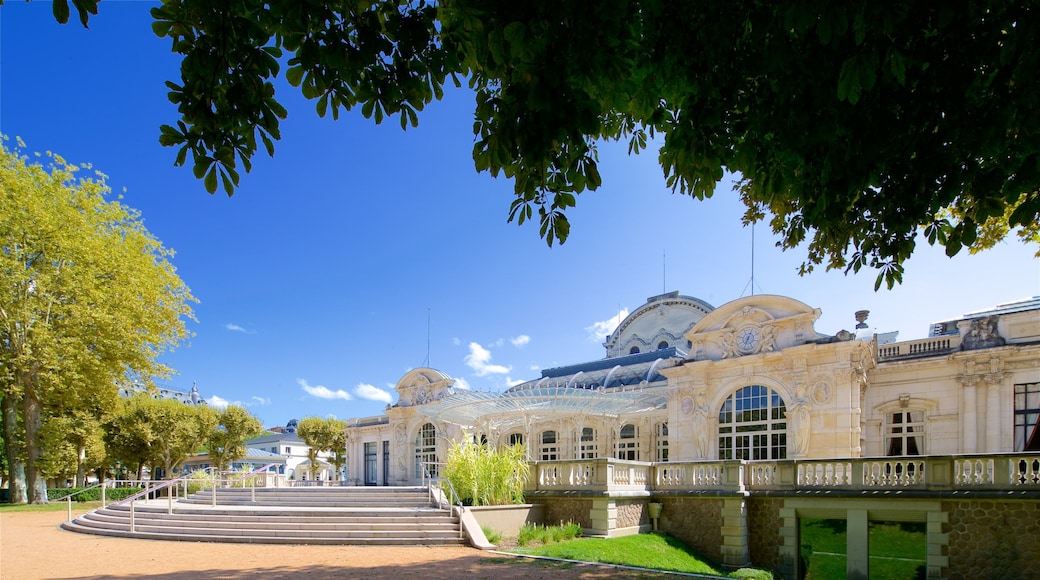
x: 491, y: 534
x: 111, y: 493
x: 535, y: 534
x: 482, y: 475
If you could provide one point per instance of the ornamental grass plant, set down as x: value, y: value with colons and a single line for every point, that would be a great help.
x: 483, y: 475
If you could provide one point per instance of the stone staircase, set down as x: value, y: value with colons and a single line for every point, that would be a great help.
x: 307, y: 515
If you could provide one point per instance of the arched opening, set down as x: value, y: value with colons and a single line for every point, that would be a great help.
x: 550, y: 451
x: 753, y: 425
x: 426, y: 450
x: 628, y: 443
x: 587, y: 448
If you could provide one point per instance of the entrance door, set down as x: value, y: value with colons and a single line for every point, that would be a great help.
x: 386, y: 463
x: 370, y: 463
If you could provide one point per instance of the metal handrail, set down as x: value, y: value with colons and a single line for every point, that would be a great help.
x: 427, y: 475
x: 251, y: 473
x: 68, y: 497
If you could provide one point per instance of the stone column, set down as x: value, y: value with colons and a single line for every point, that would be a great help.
x: 994, y: 382
x: 603, y: 517
x: 789, y: 548
x: 857, y: 546
x: 938, y: 544
x: 969, y: 420
x: 735, y: 553
x: 993, y: 418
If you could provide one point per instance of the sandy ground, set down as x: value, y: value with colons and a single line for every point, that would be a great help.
x: 33, y: 547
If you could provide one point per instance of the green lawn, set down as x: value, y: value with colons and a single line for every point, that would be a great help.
x: 53, y: 506
x: 652, y: 551
x: 897, y: 550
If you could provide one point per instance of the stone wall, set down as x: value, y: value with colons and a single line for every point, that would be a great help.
x: 764, y: 523
x: 990, y: 539
x: 696, y: 521
x: 631, y: 513
x: 564, y: 510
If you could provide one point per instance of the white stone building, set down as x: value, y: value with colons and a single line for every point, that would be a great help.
x: 752, y: 379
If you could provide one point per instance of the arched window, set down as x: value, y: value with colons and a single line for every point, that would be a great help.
x: 662, y: 345
x: 904, y: 433
x: 587, y: 448
x: 550, y: 451
x: 753, y: 425
x: 661, y: 444
x: 633, y: 350
x: 426, y: 450
x: 516, y: 439
x: 628, y: 443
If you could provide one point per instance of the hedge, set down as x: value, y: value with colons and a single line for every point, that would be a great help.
x: 111, y: 493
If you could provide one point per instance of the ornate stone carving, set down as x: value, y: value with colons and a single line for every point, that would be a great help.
x: 728, y: 343
x: 982, y: 333
x: 821, y: 393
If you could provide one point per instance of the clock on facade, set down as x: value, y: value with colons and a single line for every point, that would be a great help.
x: 747, y: 338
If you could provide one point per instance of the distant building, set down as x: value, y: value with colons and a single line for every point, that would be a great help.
x: 191, y: 397
x: 288, y: 445
x: 255, y: 458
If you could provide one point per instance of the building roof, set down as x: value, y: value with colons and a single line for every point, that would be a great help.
x: 276, y: 438
x: 619, y: 371
x: 515, y: 407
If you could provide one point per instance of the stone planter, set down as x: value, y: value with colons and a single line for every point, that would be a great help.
x: 507, y: 519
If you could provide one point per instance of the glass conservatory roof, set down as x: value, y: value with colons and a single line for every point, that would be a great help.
x: 520, y: 406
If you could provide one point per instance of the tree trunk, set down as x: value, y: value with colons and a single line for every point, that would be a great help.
x: 36, y: 484
x: 14, y: 449
x: 81, y: 465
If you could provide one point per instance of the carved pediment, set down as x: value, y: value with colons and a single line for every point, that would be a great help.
x: 752, y: 325
x: 421, y: 386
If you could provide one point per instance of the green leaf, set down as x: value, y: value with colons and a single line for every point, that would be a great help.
x: 294, y: 75
x: 211, y: 179
x: 61, y: 10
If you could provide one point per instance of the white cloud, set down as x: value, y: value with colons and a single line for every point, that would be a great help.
x: 372, y: 393
x: 510, y: 382
x: 599, y: 331
x: 217, y: 402
x: 236, y: 328
x: 536, y: 368
x: 323, y: 392
x: 479, y: 359
x: 521, y: 340
x: 460, y: 383
x: 497, y: 344
x: 456, y: 341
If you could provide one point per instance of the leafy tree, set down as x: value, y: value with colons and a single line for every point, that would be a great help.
x: 159, y: 432
x: 227, y: 442
x: 324, y: 434
x: 852, y: 124
x: 88, y: 299
x: 73, y: 445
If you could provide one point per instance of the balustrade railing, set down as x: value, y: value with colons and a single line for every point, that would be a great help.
x: 924, y: 346
x: 937, y: 473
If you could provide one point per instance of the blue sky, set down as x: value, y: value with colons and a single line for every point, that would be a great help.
x: 360, y: 251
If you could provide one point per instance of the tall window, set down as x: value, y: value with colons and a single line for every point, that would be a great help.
x: 587, y: 448
x: 628, y: 444
x: 426, y: 450
x: 904, y: 433
x: 1027, y: 417
x: 662, y: 442
x: 550, y: 451
x: 516, y: 439
x: 753, y: 425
